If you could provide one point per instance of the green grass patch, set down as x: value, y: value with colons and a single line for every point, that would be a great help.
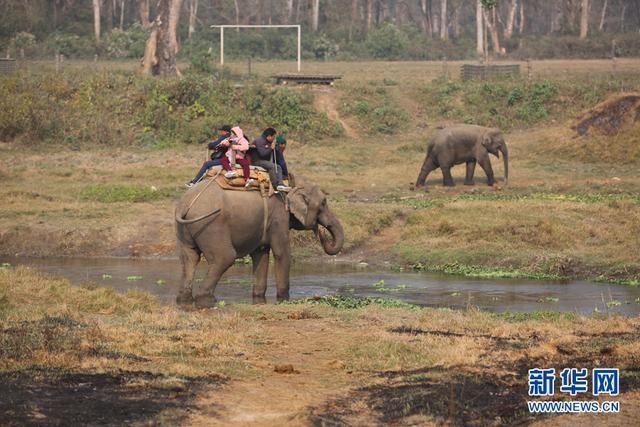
x: 371, y: 104
x: 536, y: 315
x: 349, y: 302
x: 485, y: 272
x: 516, y: 103
x: 114, y: 193
x: 626, y: 282
x: 577, y: 197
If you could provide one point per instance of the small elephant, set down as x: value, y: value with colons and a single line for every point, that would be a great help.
x: 224, y: 225
x: 464, y: 144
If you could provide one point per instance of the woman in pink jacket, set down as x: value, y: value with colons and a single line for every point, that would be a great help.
x: 238, y: 146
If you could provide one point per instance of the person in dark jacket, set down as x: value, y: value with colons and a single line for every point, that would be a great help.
x: 217, y: 152
x: 263, y: 155
x: 281, y: 145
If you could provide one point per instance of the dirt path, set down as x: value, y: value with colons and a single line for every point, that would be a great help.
x: 296, y: 369
x: 376, y: 250
x: 326, y: 102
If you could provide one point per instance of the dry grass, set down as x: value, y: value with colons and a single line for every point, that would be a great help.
x: 341, y: 358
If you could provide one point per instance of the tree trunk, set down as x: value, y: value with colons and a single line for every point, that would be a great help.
x: 426, y: 22
x: 444, y: 25
x: 511, y: 19
x: 493, y: 30
x: 96, y: 19
x: 603, y: 15
x: 123, y: 5
x: 457, y: 28
x: 584, y: 19
x: 193, y: 14
x: 522, y: 17
x: 315, y: 15
x: 237, y: 8
x: 369, y: 14
x: 289, y: 11
x: 479, y: 29
x: 435, y: 21
x: 143, y: 9
x: 109, y: 14
x: 162, y: 45
x: 354, y: 13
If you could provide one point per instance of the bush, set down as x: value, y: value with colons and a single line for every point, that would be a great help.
x: 70, y: 45
x: 374, y: 109
x: 387, y: 42
x: 516, y: 103
x: 129, y: 43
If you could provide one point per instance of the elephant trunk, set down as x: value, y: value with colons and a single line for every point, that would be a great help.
x: 505, y: 156
x: 334, y: 245
x: 424, y: 170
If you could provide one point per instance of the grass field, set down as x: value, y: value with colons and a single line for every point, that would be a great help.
x: 84, y: 355
x: 570, y: 210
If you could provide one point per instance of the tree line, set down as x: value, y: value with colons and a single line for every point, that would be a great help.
x: 492, y: 25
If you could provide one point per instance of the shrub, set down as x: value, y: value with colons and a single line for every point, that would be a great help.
x: 387, y: 42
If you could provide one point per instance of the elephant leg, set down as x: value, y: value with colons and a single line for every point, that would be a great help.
x: 427, y: 167
x: 447, y: 179
x: 471, y: 167
x: 280, y: 248
x: 189, y: 258
x: 485, y: 164
x: 260, y: 259
x: 219, y: 264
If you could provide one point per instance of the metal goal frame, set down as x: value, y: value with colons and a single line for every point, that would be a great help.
x: 222, y: 27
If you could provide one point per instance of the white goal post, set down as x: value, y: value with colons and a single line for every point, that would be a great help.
x: 222, y: 27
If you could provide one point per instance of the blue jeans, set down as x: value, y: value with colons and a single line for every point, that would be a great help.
x: 204, y: 168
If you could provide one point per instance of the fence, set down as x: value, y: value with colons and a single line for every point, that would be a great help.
x: 471, y: 71
x: 7, y: 66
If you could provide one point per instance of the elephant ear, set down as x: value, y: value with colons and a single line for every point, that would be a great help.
x: 298, y: 205
x: 487, y: 139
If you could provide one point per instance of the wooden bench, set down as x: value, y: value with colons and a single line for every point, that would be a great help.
x: 319, y: 79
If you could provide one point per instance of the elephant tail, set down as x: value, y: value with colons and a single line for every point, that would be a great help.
x: 181, y: 220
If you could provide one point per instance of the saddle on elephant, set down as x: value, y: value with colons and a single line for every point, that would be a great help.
x: 259, y: 176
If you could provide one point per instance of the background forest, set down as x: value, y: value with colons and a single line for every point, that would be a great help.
x: 332, y: 29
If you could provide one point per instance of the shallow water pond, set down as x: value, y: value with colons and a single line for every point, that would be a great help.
x: 162, y: 277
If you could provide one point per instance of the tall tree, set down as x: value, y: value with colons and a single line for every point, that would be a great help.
x: 315, y: 15
x: 426, y: 17
x: 143, y: 10
x: 444, y: 24
x: 584, y: 19
x: 96, y: 19
x: 193, y: 14
x: 479, y: 29
x: 511, y: 18
x: 489, y: 12
x: 162, y: 45
x: 603, y: 15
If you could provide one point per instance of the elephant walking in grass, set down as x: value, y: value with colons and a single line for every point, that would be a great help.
x: 468, y: 144
x: 224, y: 225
